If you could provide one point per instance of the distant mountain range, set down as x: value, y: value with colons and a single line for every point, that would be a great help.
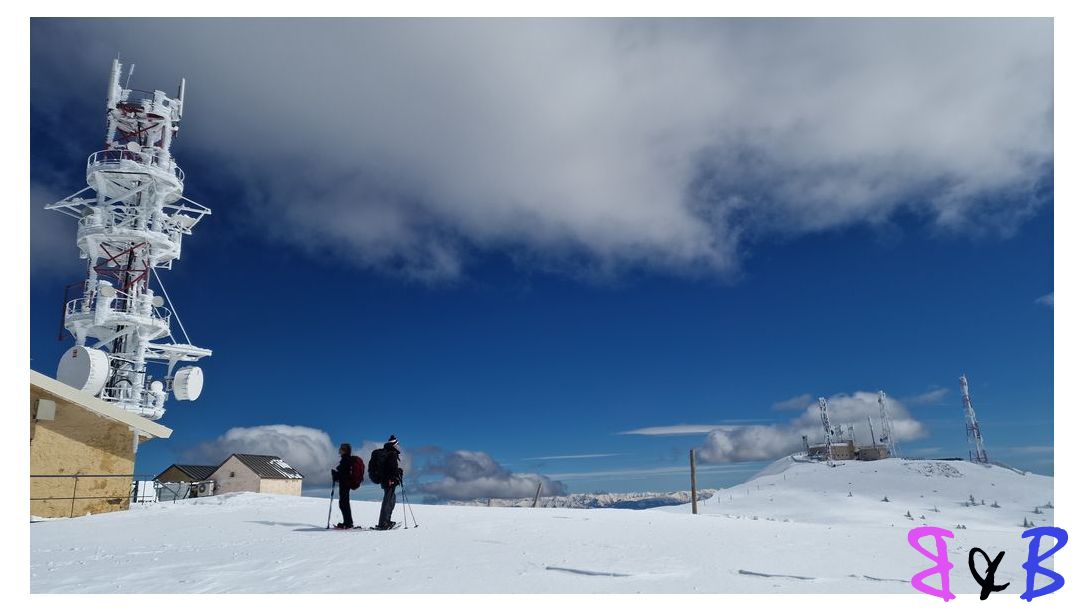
x: 629, y: 501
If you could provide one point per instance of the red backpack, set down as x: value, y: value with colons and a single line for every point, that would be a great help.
x: 357, y: 471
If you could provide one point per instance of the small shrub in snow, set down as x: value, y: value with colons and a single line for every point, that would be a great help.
x: 885, y: 499
x: 908, y: 515
x: 995, y: 504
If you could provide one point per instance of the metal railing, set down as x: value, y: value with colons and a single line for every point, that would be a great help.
x: 174, y: 490
x: 85, y: 306
x: 115, y: 157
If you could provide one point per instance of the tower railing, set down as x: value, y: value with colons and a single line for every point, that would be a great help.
x: 116, y: 157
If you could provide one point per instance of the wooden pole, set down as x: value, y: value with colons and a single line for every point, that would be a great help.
x: 538, y: 489
x: 693, y: 479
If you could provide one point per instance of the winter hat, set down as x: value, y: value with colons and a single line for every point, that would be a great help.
x: 392, y: 439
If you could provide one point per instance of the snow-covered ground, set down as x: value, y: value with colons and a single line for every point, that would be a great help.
x: 791, y: 529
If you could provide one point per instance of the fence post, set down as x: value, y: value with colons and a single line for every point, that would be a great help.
x: 693, y: 479
x: 538, y: 490
x: 71, y: 514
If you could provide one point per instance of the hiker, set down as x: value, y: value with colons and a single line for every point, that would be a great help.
x: 342, y: 475
x: 385, y: 471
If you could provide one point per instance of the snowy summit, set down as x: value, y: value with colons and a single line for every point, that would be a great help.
x: 798, y: 527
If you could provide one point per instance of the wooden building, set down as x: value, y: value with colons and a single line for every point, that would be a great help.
x: 183, y: 481
x: 82, y: 450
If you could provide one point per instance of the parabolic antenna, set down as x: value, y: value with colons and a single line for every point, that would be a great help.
x: 188, y: 383
x: 84, y: 368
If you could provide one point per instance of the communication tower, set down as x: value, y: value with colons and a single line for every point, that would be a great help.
x: 887, y: 427
x: 131, y: 219
x: 976, y: 451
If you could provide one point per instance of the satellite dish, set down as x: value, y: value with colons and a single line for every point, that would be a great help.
x: 84, y: 368
x: 133, y: 147
x: 157, y: 301
x: 156, y: 386
x: 188, y: 383
x: 107, y: 291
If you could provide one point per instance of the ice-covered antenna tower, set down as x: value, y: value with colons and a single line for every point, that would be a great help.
x: 887, y: 427
x: 132, y: 218
x: 823, y: 405
x: 976, y: 451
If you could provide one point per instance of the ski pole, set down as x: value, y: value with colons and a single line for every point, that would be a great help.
x: 403, y: 506
x: 331, y: 497
x: 408, y: 502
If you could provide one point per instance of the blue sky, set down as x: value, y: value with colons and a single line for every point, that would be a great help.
x: 527, y: 303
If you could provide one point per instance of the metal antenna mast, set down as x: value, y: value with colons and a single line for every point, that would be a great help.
x: 823, y: 405
x: 972, y: 426
x: 887, y: 426
x: 131, y: 219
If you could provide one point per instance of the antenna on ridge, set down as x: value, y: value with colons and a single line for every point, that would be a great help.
x: 976, y: 451
x: 823, y: 406
x: 887, y: 426
x: 131, y: 69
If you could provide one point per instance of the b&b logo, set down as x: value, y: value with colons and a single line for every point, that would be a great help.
x: 1032, y: 566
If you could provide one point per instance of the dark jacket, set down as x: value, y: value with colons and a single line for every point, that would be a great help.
x: 392, y: 464
x: 341, y: 474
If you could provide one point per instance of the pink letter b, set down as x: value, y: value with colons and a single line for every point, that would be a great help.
x: 940, y: 558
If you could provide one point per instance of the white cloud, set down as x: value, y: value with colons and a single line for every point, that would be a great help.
x: 1047, y: 300
x: 929, y: 398
x: 794, y: 403
x: 674, y: 430
x: 756, y: 442
x: 474, y: 474
x: 557, y: 457
x: 590, y: 146
x: 308, y: 450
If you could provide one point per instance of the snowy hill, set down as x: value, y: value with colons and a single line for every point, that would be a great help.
x: 852, y: 493
x: 791, y: 529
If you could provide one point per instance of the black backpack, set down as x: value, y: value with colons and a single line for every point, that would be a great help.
x: 377, y: 466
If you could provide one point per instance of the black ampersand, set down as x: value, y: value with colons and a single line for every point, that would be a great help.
x: 987, y: 583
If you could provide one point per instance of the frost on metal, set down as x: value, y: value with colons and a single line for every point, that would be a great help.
x: 132, y: 217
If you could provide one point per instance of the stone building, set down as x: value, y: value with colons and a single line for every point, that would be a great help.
x: 82, y: 450
x: 257, y: 474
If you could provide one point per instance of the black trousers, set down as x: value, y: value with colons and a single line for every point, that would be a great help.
x: 387, y: 506
x: 344, y: 505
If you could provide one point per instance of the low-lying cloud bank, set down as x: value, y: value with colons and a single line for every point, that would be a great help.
x: 756, y: 442
x: 307, y: 449
x: 474, y: 474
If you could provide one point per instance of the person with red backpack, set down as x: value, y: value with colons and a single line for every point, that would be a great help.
x: 345, y: 476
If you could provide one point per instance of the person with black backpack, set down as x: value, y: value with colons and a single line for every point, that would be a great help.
x: 384, y: 470
x: 342, y: 475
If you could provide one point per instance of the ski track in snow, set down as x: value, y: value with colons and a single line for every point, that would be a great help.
x: 795, y: 525
x: 586, y: 572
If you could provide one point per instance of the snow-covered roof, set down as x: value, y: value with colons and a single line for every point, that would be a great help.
x: 54, y: 388
x: 267, y: 466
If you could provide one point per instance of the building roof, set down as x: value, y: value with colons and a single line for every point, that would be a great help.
x: 58, y: 390
x: 267, y: 466
x: 195, y: 472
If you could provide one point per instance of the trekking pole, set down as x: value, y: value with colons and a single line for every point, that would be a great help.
x: 403, y: 506
x: 331, y: 497
x: 408, y: 502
